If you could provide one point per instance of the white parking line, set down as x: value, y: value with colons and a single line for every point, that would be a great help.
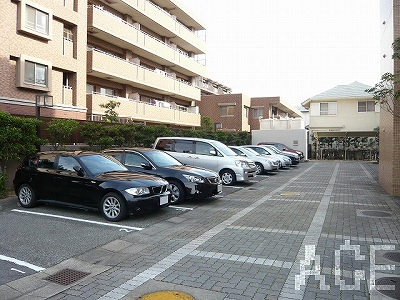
x: 21, y: 263
x: 78, y: 220
x: 180, y: 207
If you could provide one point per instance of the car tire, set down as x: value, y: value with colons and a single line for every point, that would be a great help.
x: 260, y: 168
x: 113, y: 207
x: 177, y: 192
x: 26, y: 196
x: 228, y: 177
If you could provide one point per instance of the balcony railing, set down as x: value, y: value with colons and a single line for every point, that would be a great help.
x: 131, y: 73
x: 152, y: 111
x: 180, y: 51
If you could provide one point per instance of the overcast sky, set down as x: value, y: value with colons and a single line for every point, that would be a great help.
x: 295, y: 49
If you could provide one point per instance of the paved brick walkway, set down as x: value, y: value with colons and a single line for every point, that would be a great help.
x: 316, y: 231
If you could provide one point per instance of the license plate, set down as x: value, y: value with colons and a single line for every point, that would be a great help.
x: 163, y: 200
x: 219, y: 188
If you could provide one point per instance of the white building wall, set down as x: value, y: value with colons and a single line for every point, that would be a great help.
x: 293, y: 138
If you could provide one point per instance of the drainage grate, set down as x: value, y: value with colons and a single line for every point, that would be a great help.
x: 383, y: 284
x: 66, y: 276
x: 376, y: 213
x: 393, y: 256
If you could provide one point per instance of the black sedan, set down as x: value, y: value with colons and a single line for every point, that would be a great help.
x: 184, y: 181
x: 87, y: 180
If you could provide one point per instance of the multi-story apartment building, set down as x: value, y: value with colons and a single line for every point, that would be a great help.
x: 142, y: 55
x: 81, y: 54
x: 389, y: 134
x: 238, y: 112
x: 43, y: 52
x: 271, y: 108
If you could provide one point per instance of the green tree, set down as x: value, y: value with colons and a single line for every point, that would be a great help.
x: 61, y: 131
x: 18, y: 137
x: 110, y: 114
x: 385, y: 92
x: 91, y: 132
x: 206, y: 124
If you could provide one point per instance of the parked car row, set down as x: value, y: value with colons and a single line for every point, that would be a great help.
x: 122, y: 181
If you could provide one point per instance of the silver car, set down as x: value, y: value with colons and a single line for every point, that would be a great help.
x: 263, y: 162
x: 209, y: 154
x: 283, y: 160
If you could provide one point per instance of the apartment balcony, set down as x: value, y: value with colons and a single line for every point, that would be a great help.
x: 68, y: 48
x: 67, y: 95
x: 157, y: 112
x: 281, y: 124
x: 161, y: 22
x: 109, y: 67
x: 116, y: 31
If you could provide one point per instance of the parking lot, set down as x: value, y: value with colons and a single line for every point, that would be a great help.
x: 321, y: 230
x: 34, y: 239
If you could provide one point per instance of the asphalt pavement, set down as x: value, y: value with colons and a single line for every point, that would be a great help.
x: 319, y: 230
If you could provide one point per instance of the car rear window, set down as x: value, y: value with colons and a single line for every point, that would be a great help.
x: 45, y: 161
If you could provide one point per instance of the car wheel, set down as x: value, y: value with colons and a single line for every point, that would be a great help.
x: 26, y: 196
x: 228, y: 177
x: 113, y: 207
x: 177, y: 192
x: 260, y: 168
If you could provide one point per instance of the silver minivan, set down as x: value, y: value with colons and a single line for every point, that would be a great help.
x: 209, y: 154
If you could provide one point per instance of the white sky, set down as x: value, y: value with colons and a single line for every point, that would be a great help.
x: 295, y: 49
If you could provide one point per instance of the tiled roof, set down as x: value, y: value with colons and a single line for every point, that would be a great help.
x: 352, y: 90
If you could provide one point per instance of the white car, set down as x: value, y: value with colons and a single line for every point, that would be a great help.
x: 263, y: 162
x: 284, y: 161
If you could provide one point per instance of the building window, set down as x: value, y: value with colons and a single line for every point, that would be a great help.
x: 258, y: 112
x: 328, y: 109
x: 106, y: 91
x: 34, y: 73
x: 365, y: 106
x: 34, y: 19
x: 37, y: 20
x: 68, y: 35
x: 227, y: 111
x: 89, y: 88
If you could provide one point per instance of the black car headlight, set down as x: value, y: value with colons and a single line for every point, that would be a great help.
x: 138, y: 191
x: 193, y: 178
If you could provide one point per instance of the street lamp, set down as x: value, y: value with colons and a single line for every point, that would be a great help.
x: 41, y: 100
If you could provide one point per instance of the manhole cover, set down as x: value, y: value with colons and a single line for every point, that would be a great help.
x: 167, y: 295
x: 376, y: 213
x: 290, y: 194
x: 393, y: 256
x: 383, y: 284
x: 66, y: 276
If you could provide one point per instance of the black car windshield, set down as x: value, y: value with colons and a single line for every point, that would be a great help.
x: 98, y: 164
x: 162, y: 159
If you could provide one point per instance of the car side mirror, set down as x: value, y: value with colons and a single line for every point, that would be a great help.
x: 79, y: 170
x: 146, y: 166
x: 213, y: 152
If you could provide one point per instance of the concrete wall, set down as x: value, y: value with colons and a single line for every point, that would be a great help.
x: 295, y: 138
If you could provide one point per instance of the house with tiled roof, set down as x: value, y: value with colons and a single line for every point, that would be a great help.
x: 343, y: 111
